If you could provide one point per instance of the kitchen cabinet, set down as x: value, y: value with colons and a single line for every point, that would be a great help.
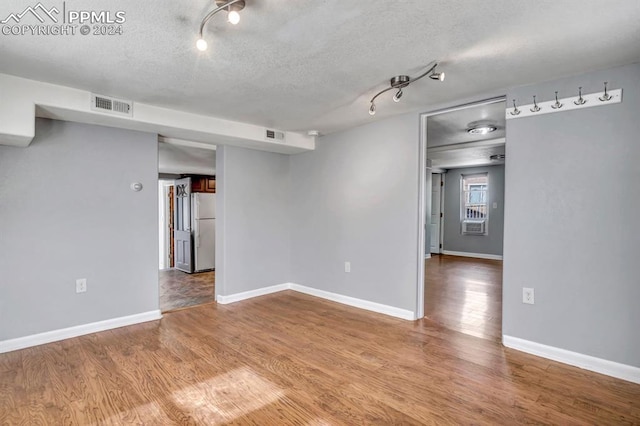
x: 203, y: 184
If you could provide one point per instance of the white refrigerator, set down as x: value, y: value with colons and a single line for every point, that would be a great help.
x: 203, y: 218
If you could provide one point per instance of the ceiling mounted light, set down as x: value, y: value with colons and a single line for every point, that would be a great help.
x: 482, y: 129
x: 437, y: 76
x: 401, y: 81
x: 233, y: 17
x: 397, y: 96
x: 201, y: 44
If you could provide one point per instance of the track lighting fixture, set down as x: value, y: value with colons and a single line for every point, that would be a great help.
x: 401, y: 81
x: 437, y: 76
x: 233, y: 17
x: 397, y: 96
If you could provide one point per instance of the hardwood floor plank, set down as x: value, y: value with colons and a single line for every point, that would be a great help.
x: 465, y: 294
x: 292, y: 359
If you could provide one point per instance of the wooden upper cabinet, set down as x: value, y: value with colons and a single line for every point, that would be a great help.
x: 211, y: 185
x: 203, y: 184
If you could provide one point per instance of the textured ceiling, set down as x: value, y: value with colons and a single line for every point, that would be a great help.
x: 310, y: 64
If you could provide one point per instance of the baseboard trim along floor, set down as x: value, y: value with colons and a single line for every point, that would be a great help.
x: 79, y: 330
x: 476, y: 255
x: 587, y: 362
x: 335, y: 297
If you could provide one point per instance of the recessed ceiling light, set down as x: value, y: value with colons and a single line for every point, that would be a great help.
x: 482, y: 130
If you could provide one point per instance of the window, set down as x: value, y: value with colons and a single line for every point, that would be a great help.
x: 474, y: 209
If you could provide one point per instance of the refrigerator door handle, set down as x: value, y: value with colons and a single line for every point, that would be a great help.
x: 196, y: 206
x: 197, y: 233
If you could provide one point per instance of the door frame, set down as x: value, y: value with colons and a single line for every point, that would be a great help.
x: 440, y: 211
x: 422, y: 169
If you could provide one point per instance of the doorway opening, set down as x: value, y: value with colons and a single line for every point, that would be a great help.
x: 464, y: 217
x: 186, y: 200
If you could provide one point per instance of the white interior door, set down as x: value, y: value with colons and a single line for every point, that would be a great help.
x: 436, y: 212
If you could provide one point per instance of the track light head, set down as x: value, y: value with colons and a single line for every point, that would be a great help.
x: 201, y: 44
x: 397, y: 96
x: 372, y: 109
x: 233, y: 17
x: 437, y: 76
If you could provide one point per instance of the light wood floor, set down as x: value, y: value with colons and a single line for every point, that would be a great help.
x: 291, y: 359
x: 180, y: 290
x: 465, y: 294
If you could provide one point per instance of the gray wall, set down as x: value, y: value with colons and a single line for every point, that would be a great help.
x: 355, y: 198
x: 67, y: 212
x: 573, y: 234
x: 453, y: 238
x: 253, y: 222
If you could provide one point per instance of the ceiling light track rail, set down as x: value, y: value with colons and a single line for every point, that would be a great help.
x: 233, y: 17
x: 401, y: 81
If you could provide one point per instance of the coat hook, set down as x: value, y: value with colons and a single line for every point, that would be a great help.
x: 581, y: 100
x: 515, y: 111
x: 557, y: 105
x: 606, y: 96
x: 535, y: 108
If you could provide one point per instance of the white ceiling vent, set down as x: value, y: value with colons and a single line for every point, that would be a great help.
x: 274, y: 135
x: 111, y: 105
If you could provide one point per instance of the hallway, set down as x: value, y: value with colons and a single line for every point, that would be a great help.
x: 465, y: 294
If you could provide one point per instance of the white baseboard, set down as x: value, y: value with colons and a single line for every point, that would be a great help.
x: 346, y: 300
x: 587, y: 362
x: 223, y: 300
x: 79, y: 330
x: 357, y: 303
x: 476, y: 255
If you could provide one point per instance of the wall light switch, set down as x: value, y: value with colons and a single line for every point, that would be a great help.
x: 347, y: 266
x: 81, y: 285
x: 495, y: 205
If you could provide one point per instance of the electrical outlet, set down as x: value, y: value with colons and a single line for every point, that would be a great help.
x: 81, y: 285
x: 347, y: 266
x: 527, y: 296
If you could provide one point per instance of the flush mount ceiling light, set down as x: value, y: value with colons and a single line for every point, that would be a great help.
x: 482, y: 129
x: 233, y: 17
x: 401, y: 81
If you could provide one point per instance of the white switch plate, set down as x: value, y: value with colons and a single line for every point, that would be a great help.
x: 495, y: 205
x: 347, y: 266
x: 81, y: 285
x: 528, y: 296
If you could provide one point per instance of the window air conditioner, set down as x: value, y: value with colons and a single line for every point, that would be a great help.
x: 473, y: 227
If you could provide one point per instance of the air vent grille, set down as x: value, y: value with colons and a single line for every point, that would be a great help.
x: 111, y: 105
x: 274, y: 135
